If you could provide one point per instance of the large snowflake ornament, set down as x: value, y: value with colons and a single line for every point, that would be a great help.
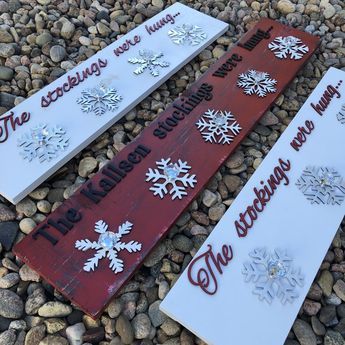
x: 273, y: 275
x: 99, y: 100
x: 108, y: 245
x: 218, y: 126
x: 170, y: 174
x: 43, y: 142
x: 289, y: 46
x: 322, y: 185
x: 187, y: 34
x: 255, y: 82
x: 149, y: 60
x: 341, y: 115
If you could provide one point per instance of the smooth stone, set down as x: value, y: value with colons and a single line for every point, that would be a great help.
x: 124, y: 329
x: 141, y: 325
x: 156, y: 316
x: 156, y: 255
x: 216, y: 212
x: 53, y: 340
x: 35, y: 335
x: 27, y: 274
x: 182, y: 243
x: 304, y: 333
x: 232, y: 182
x: 6, y: 214
x: 9, y: 280
x: 333, y: 338
x: 54, y: 309
x: 209, y: 199
x: 6, y: 50
x: 35, y: 301
x: 18, y: 325
x: 57, y: 53
x: 286, y: 7
x: 26, y: 225
x: 329, y: 11
x: 8, y: 234
x: 86, y: 166
x: 43, y: 39
x: 75, y: 333
x: 326, y: 282
x: 114, y: 308
x: 54, y: 325
x: 5, y: 37
x: 235, y: 160
x: 39, y: 193
x: 26, y: 206
x: 339, y: 289
x: 67, y: 30
x: 171, y: 327
x: 6, y: 73
x: 8, y: 337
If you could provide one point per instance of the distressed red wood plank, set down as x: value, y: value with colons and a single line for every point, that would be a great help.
x: 119, y: 192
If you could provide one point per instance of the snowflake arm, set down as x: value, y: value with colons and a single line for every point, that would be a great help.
x: 116, y: 264
x: 131, y: 246
x: 251, y: 272
x: 287, y: 293
x: 154, y: 175
x: 124, y: 229
x: 87, y: 101
x: 265, y: 290
x: 86, y: 244
x: 101, y: 227
x: 341, y: 115
x: 92, y: 263
x: 159, y: 189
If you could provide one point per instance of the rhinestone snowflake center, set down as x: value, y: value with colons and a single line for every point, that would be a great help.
x: 171, y: 171
x: 219, y: 119
x: 40, y: 135
x: 290, y: 41
x: 276, y: 269
x: 326, y: 180
x: 258, y: 77
x: 107, y: 240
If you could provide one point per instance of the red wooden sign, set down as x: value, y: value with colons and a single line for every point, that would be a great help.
x: 93, y: 243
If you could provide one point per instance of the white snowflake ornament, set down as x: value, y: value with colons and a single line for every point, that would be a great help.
x: 170, y: 174
x: 99, y: 100
x: 322, y: 185
x: 149, y: 60
x: 255, y: 82
x: 218, y: 126
x: 341, y: 115
x: 108, y: 245
x: 273, y: 275
x: 187, y: 34
x: 43, y: 142
x: 288, y: 47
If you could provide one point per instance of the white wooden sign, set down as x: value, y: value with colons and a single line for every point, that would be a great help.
x: 248, y: 281
x: 41, y: 134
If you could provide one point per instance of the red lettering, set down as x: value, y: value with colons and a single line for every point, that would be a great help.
x: 302, y: 135
x: 11, y: 122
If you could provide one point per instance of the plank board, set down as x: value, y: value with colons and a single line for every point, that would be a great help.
x: 131, y: 200
x: 301, y: 218
x: 109, y: 68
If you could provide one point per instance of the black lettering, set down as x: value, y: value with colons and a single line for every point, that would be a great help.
x: 124, y: 165
x: 73, y: 215
x: 93, y: 194
x: 41, y: 232
x: 133, y: 158
x: 62, y: 225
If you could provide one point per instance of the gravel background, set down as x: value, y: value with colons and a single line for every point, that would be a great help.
x: 41, y: 40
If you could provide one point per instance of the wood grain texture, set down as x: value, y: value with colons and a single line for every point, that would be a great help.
x: 131, y: 200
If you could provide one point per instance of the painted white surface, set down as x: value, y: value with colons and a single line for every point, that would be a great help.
x: 19, y: 177
x: 234, y: 315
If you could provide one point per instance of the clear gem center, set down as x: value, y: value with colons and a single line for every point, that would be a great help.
x: 40, y: 135
x: 107, y: 240
x: 276, y: 269
x: 219, y: 120
x: 171, y: 172
x: 326, y: 180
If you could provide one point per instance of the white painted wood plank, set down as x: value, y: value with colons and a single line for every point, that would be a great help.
x: 234, y: 315
x: 18, y: 176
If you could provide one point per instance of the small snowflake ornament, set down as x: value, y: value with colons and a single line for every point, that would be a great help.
x: 187, y: 34
x: 149, y: 60
x: 288, y: 47
x: 273, y: 275
x: 341, y: 115
x: 170, y: 174
x: 43, y: 142
x: 218, y: 126
x: 255, y: 82
x: 322, y: 185
x: 108, y: 245
x: 99, y: 100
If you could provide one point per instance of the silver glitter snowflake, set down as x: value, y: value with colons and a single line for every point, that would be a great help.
x: 273, y: 275
x: 187, y: 34
x: 173, y: 174
x: 99, y: 100
x: 108, y: 245
x: 149, y: 60
x: 322, y: 185
x: 218, y: 126
x: 43, y: 142
x: 255, y: 82
x: 341, y: 115
x: 290, y: 46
